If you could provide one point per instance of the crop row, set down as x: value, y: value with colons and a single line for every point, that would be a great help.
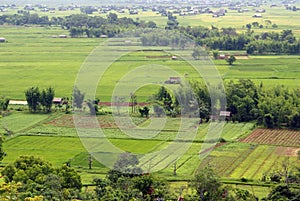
x: 274, y: 137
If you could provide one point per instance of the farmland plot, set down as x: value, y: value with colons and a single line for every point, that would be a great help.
x: 240, y: 160
x: 282, y: 137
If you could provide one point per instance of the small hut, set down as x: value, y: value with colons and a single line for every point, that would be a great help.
x: 57, y: 101
x: 2, y: 40
x: 62, y: 36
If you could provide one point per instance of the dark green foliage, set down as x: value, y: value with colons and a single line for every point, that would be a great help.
x: 88, y: 9
x: 93, y: 106
x: 144, y: 111
x: 46, y: 99
x: 231, y: 59
x: 163, y: 99
x: 158, y: 37
x: 4, y: 101
x: 203, y: 99
x: 125, y: 166
x: 2, y: 153
x: 78, y: 98
x: 207, y: 185
x: 242, y: 100
x: 279, y: 107
x: 128, y: 182
x: 172, y: 22
x: 33, y: 98
x: 38, y: 177
x: 283, y: 193
x: 37, y: 99
x: 241, y: 194
x: 196, y: 53
x: 100, y: 189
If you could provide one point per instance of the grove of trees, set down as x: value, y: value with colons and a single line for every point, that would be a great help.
x: 38, y: 100
x: 273, y: 107
x: 29, y: 177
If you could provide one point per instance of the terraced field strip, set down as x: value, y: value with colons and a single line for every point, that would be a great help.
x: 233, y: 164
x: 265, y: 165
x: 240, y: 171
x: 234, y: 131
x: 254, y: 171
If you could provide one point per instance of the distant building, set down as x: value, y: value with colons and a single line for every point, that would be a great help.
x: 16, y: 102
x: 222, y: 56
x: 2, y: 40
x: 174, y: 58
x: 62, y: 36
x: 261, y: 11
x: 173, y: 80
x: 57, y: 101
x: 225, y: 113
x: 257, y: 15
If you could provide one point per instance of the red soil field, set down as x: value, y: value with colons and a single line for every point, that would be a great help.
x: 282, y: 137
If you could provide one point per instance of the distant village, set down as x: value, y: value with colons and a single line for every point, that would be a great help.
x: 216, y: 8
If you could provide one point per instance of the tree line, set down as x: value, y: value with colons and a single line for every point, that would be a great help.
x: 80, y: 25
x: 273, y: 107
x: 83, y: 25
x: 227, y: 39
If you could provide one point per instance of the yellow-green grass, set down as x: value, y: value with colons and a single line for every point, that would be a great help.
x: 183, y: 188
x: 32, y: 58
x: 19, y: 121
x: 56, y: 150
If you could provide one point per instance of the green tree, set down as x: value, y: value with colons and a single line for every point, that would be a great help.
x: 242, y: 100
x: 100, y: 189
x: 125, y: 166
x: 215, y: 54
x: 144, y: 111
x: 230, y: 60
x: 150, y: 187
x: 69, y: 178
x: 38, y: 177
x: 78, y: 98
x: 196, y: 53
x: 33, y: 97
x: 207, y: 185
x: 93, y: 106
x: 2, y: 153
x: 163, y: 98
x: 243, y: 195
x: 283, y: 193
x: 47, y: 96
x: 4, y: 101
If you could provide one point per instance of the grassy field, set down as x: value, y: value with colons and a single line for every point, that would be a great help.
x: 32, y: 58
